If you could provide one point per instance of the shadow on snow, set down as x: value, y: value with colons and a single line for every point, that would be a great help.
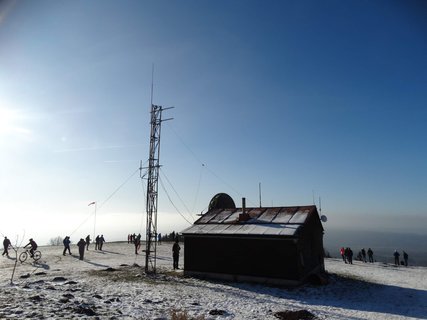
x: 352, y: 294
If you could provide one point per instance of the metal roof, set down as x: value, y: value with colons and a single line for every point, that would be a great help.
x: 272, y: 221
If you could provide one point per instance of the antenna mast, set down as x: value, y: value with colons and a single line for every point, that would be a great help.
x: 152, y: 186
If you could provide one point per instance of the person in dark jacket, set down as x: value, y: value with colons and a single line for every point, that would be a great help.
x: 33, y: 245
x: 175, y: 253
x: 405, y: 257
x: 363, y: 255
x: 137, y: 243
x: 349, y: 255
x: 396, y: 257
x: 342, y: 252
x: 82, y: 246
x: 66, y: 243
x: 97, y: 242
x: 6, y: 244
x: 101, y: 242
x: 370, y: 255
x: 87, y: 242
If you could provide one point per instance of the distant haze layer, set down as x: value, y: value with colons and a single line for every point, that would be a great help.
x: 382, y: 243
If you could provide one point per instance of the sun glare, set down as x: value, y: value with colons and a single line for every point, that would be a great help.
x: 7, y: 119
x: 10, y: 123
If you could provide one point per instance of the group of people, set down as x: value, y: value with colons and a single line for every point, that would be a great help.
x: 136, y: 240
x: 83, y: 245
x: 132, y: 237
x: 347, y: 256
x: 361, y: 256
x: 397, y: 260
x: 99, y: 242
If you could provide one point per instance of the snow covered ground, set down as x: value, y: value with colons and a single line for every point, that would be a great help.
x: 63, y: 287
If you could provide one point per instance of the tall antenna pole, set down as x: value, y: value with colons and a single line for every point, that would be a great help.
x: 259, y: 190
x: 152, y: 188
x: 94, y: 222
x: 152, y: 83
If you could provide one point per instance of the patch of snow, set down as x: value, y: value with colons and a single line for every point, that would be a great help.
x: 108, y: 284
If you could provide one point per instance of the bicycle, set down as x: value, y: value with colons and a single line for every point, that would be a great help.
x: 24, y: 255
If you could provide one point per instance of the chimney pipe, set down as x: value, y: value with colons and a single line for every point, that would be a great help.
x: 244, y: 216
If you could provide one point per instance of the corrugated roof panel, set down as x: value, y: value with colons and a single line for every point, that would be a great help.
x: 285, y: 215
x: 208, y: 216
x: 289, y: 230
x: 195, y: 228
x: 221, y: 216
x: 266, y: 229
x: 268, y: 215
x: 218, y: 228
x: 232, y: 229
x: 279, y: 221
x: 254, y: 213
x: 271, y: 229
x: 300, y: 216
x: 234, y: 217
x: 205, y: 229
x: 246, y: 229
x: 210, y: 228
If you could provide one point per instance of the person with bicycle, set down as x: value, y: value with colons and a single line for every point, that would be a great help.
x: 33, y: 245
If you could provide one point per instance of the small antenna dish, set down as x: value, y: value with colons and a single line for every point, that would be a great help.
x: 323, y: 218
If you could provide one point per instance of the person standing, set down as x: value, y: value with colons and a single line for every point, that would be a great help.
x: 87, y: 242
x: 342, y: 252
x: 6, y: 244
x: 405, y: 258
x: 364, y: 254
x: 370, y: 255
x: 97, y: 242
x: 396, y: 257
x: 66, y: 243
x: 101, y: 241
x: 82, y: 245
x: 137, y: 243
x: 349, y: 255
x: 175, y: 253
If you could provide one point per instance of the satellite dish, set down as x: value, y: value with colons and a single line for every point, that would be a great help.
x: 323, y: 218
x: 221, y: 201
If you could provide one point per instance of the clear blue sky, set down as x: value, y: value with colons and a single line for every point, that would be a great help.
x: 310, y: 98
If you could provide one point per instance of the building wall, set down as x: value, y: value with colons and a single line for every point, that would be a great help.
x: 311, y: 247
x: 263, y: 257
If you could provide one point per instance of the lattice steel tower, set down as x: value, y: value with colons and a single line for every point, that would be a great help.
x: 152, y: 188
